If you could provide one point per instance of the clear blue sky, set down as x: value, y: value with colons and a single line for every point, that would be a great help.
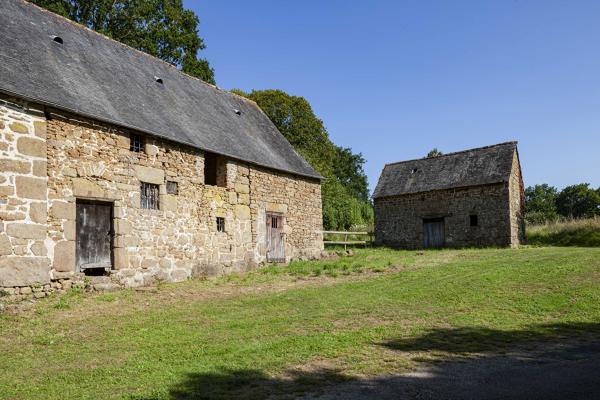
x: 393, y: 79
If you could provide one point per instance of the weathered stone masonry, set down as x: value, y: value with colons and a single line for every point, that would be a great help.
x: 87, y: 160
x: 399, y: 219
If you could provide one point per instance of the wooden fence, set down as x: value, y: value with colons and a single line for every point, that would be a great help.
x: 345, y: 242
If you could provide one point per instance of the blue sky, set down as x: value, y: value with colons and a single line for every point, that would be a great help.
x: 393, y: 79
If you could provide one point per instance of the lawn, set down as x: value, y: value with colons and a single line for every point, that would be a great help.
x: 283, y: 330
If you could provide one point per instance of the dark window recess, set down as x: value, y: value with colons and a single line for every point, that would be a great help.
x: 136, y: 143
x: 220, y: 224
x: 149, y: 196
x: 473, y: 220
x: 214, y: 170
x: 172, y: 187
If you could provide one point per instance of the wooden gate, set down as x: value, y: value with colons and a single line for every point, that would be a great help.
x: 275, y: 238
x: 433, y: 232
x: 94, y: 235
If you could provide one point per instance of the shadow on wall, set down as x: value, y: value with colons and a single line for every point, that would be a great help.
x: 545, y: 362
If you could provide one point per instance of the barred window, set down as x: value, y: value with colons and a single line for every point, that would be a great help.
x: 172, y: 187
x: 149, y: 196
x: 220, y: 224
x: 136, y: 143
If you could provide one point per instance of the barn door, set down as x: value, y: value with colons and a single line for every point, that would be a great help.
x: 433, y: 232
x: 275, y: 242
x: 94, y: 235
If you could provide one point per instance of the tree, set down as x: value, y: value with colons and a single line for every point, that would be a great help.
x: 344, y: 190
x: 435, y: 153
x: 540, y: 203
x: 349, y: 171
x: 578, y: 201
x: 162, y: 28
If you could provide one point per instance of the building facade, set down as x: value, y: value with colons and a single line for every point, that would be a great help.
x: 469, y: 198
x: 214, y: 189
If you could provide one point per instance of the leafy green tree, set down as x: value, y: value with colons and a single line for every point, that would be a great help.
x: 540, y: 203
x: 434, y: 153
x: 349, y: 171
x: 344, y: 190
x: 578, y: 201
x: 162, y: 28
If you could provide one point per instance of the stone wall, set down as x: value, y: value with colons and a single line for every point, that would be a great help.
x: 87, y: 160
x: 517, y: 203
x: 23, y: 196
x: 399, y: 219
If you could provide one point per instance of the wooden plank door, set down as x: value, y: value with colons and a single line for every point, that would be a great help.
x: 433, y: 232
x: 275, y: 238
x: 94, y: 235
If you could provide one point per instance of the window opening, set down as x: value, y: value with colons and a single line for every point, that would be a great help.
x: 149, y: 196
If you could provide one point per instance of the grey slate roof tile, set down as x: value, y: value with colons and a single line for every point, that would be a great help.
x: 100, y: 78
x: 480, y: 166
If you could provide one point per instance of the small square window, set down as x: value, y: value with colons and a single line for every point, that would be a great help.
x: 172, y: 187
x: 220, y: 224
x: 149, y: 196
x: 473, y: 220
x: 136, y: 143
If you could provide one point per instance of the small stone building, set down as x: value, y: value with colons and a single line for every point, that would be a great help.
x: 112, y: 160
x: 469, y: 198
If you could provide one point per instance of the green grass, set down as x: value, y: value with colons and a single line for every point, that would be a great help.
x: 281, y: 330
x: 583, y: 232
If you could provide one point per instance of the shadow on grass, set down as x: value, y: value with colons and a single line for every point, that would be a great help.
x: 563, y: 364
x: 480, y: 339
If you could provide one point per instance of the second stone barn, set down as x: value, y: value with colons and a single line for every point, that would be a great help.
x: 469, y: 198
x: 112, y: 160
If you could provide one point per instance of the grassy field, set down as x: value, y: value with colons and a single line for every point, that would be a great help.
x: 280, y: 331
x: 583, y: 232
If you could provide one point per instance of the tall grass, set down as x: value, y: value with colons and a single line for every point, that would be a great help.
x: 577, y: 232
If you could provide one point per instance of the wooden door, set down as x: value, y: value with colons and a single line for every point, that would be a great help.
x: 94, y: 235
x: 433, y: 232
x: 275, y: 238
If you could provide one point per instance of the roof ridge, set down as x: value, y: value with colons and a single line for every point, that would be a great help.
x: 454, y: 153
x: 81, y: 26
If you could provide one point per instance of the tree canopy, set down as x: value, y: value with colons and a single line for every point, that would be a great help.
x: 545, y: 203
x: 345, y: 190
x: 434, y: 153
x: 161, y: 28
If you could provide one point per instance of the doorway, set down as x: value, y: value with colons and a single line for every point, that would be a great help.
x: 94, y: 233
x: 275, y: 238
x: 434, y: 233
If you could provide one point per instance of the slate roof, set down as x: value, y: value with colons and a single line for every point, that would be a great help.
x: 480, y: 166
x: 94, y: 76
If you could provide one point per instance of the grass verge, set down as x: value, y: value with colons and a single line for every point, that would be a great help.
x: 583, y: 232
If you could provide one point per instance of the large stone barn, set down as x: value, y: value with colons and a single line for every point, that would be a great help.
x: 469, y: 198
x: 112, y: 160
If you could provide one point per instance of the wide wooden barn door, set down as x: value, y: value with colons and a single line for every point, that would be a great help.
x: 433, y: 232
x: 94, y: 235
x: 275, y: 242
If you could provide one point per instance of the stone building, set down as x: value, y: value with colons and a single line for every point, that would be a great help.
x: 112, y: 160
x: 469, y: 198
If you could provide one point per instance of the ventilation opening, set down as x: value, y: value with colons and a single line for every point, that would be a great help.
x: 215, y: 170
x: 473, y: 220
x: 220, y: 224
x: 57, y: 39
x: 414, y: 171
x: 158, y: 79
x: 238, y: 112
